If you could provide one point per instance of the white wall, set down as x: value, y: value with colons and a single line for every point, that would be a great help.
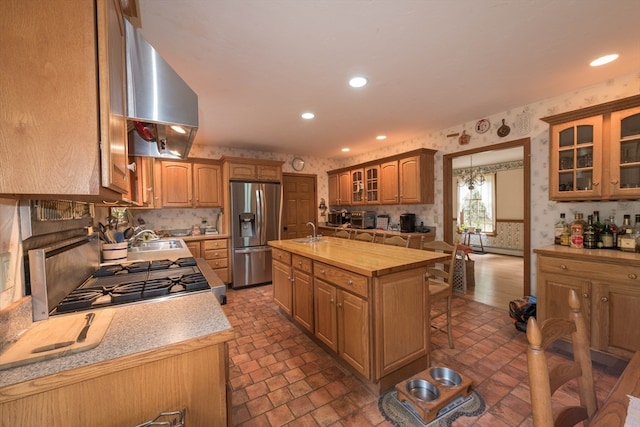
x: 508, y: 190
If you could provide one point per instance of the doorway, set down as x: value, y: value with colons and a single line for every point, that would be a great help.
x: 450, y: 216
x: 298, y: 204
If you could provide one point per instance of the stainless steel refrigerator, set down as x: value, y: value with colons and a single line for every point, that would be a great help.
x: 255, y: 219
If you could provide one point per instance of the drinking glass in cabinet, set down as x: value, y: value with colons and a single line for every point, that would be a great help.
x: 566, y: 160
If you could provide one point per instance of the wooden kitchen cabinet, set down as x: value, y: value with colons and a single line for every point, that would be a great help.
x: 415, y: 178
x: 339, y: 188
x: 191, y: 184
x: 282, y: 280
x: 194, y: 248
x: 357, y: 186
x: 302, y: 307
x: 372, y: 185
x: 145, y: 183
x: 216, y: 253
x: 242, y: 169
x: 594, y: 152
x: 389, y: 183
x: 63, y: 100
x: 609, y: 284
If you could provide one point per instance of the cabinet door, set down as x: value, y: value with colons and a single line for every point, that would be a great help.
x: 325, y: 313
x: 389, y: 182
x: 334, y: 191
x: 575, y: 169
x: 553, y: 296
x: 615, y: 307
x: 409, y: 180
x: 207, y: 185
x: 303, y: 299
x: 282, y: 286
x: 624, y: 154
x: 269, y: 173
x: 194, y: 248
x: 344, y: 186
x: 242, y: 171
x: 177, y: 185
x: 371, y: 185
x: 353, y: 331
x: 357, y: 186
x: 113, y: 123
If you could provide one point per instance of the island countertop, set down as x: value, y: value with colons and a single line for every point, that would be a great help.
x: 368, y: 259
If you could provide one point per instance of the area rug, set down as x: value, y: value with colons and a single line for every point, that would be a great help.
x: 401, y: 414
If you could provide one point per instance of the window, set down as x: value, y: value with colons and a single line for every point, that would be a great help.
x: 477, y: 206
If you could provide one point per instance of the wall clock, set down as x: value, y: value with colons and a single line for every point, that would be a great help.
x: 297, y: 164
x: 482, y: 126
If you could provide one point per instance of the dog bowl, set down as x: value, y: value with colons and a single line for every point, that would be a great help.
x: 422, y: 390
x: 445, y: 376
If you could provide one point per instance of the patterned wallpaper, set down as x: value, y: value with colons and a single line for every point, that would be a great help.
x: 524, y: 122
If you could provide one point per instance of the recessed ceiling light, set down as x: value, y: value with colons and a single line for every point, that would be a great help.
x: 345, y: 150
x: 381, y: 137
x: 358, y: 81
x: 308, y: 116
x: 604, y: 60
x: 178, y: 129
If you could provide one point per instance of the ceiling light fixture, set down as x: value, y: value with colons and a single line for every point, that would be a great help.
x: 604, y: 60
x: 179, y: 129
x: 470, y: 177
x: 357, y: 81
x: 308, y: 116
x: 381, y: 137
x: 346, y: 150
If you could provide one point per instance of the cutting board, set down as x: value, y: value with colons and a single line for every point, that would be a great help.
x: 53, y: 330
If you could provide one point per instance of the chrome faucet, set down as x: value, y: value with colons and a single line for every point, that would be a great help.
x: 140, y: 234
x: 314, y: 238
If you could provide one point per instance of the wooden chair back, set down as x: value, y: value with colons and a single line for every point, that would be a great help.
x: 395, y: 240
x: 343, y: 234
x: 545, y: 379
x: 440, y: 283
x: 365, y: 236
x: 437, y: 246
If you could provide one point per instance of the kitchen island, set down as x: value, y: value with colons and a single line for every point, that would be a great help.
x: 366, y: 303
x: 160, y: 355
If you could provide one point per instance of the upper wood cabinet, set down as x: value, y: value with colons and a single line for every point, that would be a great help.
x: 241, y: 169
x: 595, y: 152
x: 63, y: 99
x: 191, y: 184
x: 339, y: 188
x: 402, y: 179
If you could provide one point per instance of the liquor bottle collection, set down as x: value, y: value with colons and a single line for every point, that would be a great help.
x: 593, y: 234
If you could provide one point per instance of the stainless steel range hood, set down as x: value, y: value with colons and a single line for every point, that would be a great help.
x: 162, y: 110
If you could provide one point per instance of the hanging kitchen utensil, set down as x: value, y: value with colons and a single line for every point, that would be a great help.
x: 503, y: 130
x: 128, y: 233
x: 464, y: 138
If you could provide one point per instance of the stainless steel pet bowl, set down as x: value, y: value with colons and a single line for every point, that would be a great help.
x: 422, y: 390
x: 445, y: 376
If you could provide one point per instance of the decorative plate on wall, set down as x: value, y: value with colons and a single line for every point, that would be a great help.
x: 482, y: 126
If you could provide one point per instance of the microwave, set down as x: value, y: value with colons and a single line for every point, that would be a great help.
x: 338, y: 218
x: 363, y: 219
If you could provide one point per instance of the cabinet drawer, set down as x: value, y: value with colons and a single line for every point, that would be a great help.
x: 223, y: 274
x: 215, y: 253
x: 282, y: 256
x: 301, y: 263
x: 215, y: 244
x: 218, y: 263
x: 589, y: 270
x: 342, y: 278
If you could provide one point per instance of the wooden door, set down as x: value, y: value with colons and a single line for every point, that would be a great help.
x: 325, y: 313
x: 177, y: 185
x: 299, y: 205
x: 207, y: 185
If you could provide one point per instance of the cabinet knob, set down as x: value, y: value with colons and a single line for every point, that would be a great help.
x: 585, y: 295
x: 632, y: 276
x: 331, y: 301
x: 339, y: 305
x: 562, y: 266
x: 604, y: 299
x: 350, y: 282
x: 299, y: 262
x: 614, y: 181
x: 595, y: 184
x: 322, y: 272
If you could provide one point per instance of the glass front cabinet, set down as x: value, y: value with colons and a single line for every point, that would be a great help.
x: 595, y: 152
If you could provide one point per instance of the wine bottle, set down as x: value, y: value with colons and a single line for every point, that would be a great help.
x: 590, y: 241
x: 559, y: 227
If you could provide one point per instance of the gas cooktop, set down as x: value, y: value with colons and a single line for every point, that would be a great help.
x: 139, y: 281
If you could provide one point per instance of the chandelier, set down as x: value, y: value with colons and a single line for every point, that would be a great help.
x: 470, y: 177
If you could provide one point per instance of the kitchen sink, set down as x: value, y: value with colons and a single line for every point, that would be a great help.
x: 309, y: 240
x: 157, y: 245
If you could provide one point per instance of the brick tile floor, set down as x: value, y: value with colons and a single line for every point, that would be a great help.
x: 280, y: 377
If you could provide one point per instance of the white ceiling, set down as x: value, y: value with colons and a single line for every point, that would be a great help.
x: 256, y: 65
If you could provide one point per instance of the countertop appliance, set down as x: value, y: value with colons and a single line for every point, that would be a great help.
x: 337, y: 218
x: 363, y: 219
x: 255, y: 219
x: 408, y: 223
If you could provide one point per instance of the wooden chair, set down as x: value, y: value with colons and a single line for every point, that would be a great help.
x: 396, y: 240
x: 365, y: 236
x: 545, y: 380
x: 438, y: 246
x: 440, y: 284
x: 343, y: 234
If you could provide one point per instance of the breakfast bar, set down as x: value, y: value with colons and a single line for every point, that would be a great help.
x: 366, y: 303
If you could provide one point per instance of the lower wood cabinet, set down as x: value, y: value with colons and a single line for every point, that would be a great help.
x: 302, y: 309
x: 281, y: 280
x: 609, y: 285
x: 216, y: 253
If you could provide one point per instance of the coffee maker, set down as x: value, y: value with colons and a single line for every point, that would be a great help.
x: 408, y: 223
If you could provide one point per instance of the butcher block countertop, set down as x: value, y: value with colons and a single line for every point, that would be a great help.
x: 368, y: 259
x: 630, y: 259
x: 137, y: 334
